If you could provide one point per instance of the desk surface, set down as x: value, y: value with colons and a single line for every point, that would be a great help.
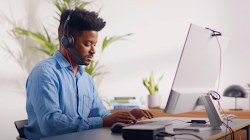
x: 241, y: 114
x: 105, y: 133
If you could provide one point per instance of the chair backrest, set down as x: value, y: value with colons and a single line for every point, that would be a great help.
x: 19, y: 126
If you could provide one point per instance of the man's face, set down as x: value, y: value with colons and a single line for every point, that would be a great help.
x: 84, y: 45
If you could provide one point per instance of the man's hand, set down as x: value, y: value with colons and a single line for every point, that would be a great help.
x: 138, y: 113
x: 124, y: 117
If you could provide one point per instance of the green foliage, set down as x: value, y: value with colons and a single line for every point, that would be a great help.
x: 150, y: 85
x: 248, y: 85
x: 47, y: 46
x: 68, y: 4
x: 93, y: 69
x: 110, y: 40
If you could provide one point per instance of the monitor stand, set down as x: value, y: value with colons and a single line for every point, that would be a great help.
x: 212, y: 113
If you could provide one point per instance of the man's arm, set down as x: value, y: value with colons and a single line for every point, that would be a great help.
x: 108, y: 119
x: 42, y: 91
x: 98, y: 109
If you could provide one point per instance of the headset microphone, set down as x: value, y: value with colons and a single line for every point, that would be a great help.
x: 79, y: 61
x: 68, y: 40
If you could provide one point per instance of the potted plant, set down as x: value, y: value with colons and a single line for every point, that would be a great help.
x: 154, y: 99
x: 48, y: 45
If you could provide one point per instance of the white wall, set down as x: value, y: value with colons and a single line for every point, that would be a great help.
x: 159, y: 27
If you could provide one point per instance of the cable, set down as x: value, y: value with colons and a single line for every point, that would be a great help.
x: 216, y: 96
x: 232, y: 134
x: 165, y: 134
x: 179, y: 120
x: 220, y: 65
x: 229, y: 116
x: 74, y: 84
x: 231, y: 130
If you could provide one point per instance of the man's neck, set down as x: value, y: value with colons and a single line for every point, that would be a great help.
x: 75, y: 67
x: 74, y: 64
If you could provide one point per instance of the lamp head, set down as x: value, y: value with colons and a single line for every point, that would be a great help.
x: 235, y: 91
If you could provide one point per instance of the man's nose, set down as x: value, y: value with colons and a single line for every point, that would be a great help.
x: 92, y: 49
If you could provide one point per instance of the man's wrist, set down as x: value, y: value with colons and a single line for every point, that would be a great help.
x: 104, y: 122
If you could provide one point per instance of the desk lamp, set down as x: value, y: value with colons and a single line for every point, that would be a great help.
x: 235, y: 91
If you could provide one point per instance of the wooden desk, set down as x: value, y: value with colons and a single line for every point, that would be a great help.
x: 105, y: 134
x: 245, y: 114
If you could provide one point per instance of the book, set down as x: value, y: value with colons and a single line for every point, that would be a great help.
x: 124, y: 98
x: 125, y: 104
x: 125, y: 101
x: 125, y: 107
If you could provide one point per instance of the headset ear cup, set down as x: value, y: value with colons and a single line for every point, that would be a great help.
x: 68, y: 41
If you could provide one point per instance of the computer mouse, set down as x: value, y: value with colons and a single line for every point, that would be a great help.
x: 117, y: 127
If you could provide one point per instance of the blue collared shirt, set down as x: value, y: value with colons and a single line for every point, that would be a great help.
x: 52, y: 104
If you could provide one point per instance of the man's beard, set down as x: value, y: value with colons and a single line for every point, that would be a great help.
x: 85, y: 58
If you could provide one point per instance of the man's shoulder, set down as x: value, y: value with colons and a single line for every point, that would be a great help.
x: 50, y: 62
x: 49, y: 65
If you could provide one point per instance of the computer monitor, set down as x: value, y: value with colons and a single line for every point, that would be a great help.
x: 196, y: 75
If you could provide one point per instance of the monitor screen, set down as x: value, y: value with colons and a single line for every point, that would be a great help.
x: 197, y: 71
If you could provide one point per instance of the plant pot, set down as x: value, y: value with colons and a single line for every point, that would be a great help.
x: 154, y: 101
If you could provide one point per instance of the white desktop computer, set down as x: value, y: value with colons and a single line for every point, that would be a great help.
x: 197, y: 74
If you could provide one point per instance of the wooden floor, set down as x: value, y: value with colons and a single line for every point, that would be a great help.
x: 245, y: 114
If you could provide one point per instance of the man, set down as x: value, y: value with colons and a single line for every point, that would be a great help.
x: 64, y: 100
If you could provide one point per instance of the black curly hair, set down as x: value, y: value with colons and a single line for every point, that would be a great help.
x: 80, y: 20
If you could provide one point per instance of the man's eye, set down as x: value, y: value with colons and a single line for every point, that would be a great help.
x: 87, y: 45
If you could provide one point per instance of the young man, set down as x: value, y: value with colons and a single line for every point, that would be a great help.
x: 64, y: 100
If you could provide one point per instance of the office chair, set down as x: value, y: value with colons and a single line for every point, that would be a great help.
x: 19, y: 126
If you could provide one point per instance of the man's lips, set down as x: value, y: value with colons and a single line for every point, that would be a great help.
x: 90, y: 58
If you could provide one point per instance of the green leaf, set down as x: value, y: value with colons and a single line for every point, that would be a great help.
x: 108, y: 41
x: 160, y: 79
x: 48, y: 37
x: 146, y: 83
x: 156, y: 88
x: 96, y: 74
x: 46, y: 43
x: 153, y: 88
x: 151, y: 82
x: 83, y: 4
x: 99, y: 10
x: 42, y: 50
x: 89, y: 68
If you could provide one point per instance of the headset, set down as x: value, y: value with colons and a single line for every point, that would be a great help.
x: 68, y: 40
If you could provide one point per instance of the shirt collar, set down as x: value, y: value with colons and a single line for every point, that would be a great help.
x: 63, y: 63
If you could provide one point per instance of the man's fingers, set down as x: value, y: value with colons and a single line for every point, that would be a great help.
x: 146, y: 112
x: 124, y: 120
x: 127, y: 116
x: 133, y: 118
x: 151, y: 114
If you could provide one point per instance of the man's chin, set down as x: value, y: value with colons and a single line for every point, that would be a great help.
x: 86, y: 63
x: 83, y: 64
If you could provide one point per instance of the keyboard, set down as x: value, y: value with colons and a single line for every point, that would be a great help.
x: 155, y: 121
